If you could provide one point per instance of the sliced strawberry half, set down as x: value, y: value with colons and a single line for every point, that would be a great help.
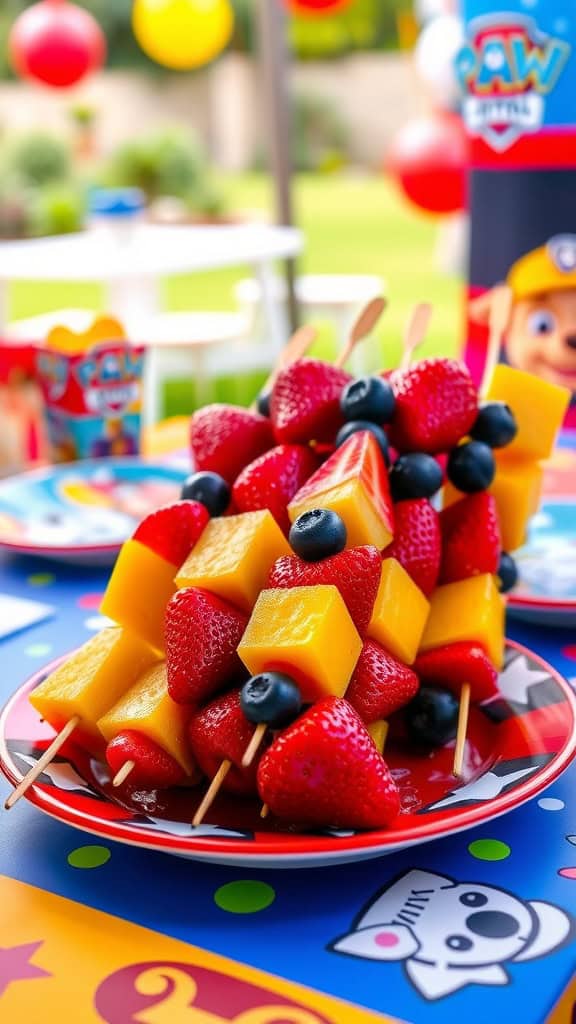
x: 417, y: 543
x: 305, y: 402
x: 455, y: 664
x: 380, y: 685
x: 471, y: 544
x: 172, y: 531
x: 272, y: 480
x: 325, y: 771
x: 355, y: 572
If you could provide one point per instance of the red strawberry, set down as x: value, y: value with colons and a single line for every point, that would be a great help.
x: 355, y: 572
x: 153, y: 767
x: 272, y: 480
x: 225, y: 438
x: 172, y: 531
x: 436, y: 405
x: 380, y: 685
x: 417, y: 542
x: 305, y: 404
x: 202, y: 634
x: 219, y: 732
x: 324, y: 770
x: 471, y: 542
x: 454, y: 664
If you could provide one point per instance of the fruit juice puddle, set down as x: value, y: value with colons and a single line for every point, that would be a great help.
x: 423, y: 778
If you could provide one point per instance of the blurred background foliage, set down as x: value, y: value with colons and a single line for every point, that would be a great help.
x: 365, y: 25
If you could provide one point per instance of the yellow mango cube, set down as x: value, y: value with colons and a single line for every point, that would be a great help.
x: 517, y: 490
x: 539, y: 408
x: 472, y: 610
x: 307, y: 633
x: 353, y: 483
x: 400, y: 613
x: 147, y: 708
x: 234, y: 556
x: 139, y: 589
x: 89, y: 682
x: 379, y: 732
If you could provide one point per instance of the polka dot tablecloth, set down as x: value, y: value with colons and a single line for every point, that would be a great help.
x: 470, y: 928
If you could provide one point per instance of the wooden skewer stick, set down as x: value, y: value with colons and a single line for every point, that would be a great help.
x: 265, y: 811
x: 462, y: 730
x: 297, y: 347
x: 415, y: 333
x: 212, y: 793
x: 42, y: 763
x: 254, y: 745
x: 500, y: 310
x: 364, y: 326
x: 123, y: 773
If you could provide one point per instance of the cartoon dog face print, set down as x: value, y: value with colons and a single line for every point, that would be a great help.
x: 450, y: 934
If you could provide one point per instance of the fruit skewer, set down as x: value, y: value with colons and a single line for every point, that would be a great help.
x: 415, y: 333
x: 79, y: 692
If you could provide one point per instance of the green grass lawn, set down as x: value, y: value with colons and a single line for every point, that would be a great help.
x: 352, y: 225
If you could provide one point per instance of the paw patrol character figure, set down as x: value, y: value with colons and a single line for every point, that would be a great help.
x: 541, y: 333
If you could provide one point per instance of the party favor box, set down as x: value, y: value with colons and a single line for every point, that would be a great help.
x: 92, y: 390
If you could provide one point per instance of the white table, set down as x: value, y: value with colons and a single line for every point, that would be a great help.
x: 132, y: 264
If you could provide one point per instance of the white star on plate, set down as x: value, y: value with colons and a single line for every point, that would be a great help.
x: 61, y: 775
x: 517, y: 678
x: 184, y: 828
x: 485, y: 788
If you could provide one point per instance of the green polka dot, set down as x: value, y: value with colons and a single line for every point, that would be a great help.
x: 41, y: 579
x: 89, y: 857
x: 489, y: 849
x: 38, y: 650
x: 245, y: 897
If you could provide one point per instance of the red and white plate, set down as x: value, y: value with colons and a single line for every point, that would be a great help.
x: 518, y: 744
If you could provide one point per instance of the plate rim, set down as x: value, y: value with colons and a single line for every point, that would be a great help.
x: 320, y: 849
x: 45, y: 472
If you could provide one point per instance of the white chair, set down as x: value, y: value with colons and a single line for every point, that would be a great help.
x: 190, y: 346
x: 338, y: 298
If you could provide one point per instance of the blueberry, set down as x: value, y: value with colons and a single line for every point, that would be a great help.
x: 471, y: 467
x: 370, y: 398
x: 415, y: 476
x: 210, y: 489
x: 507, y: 573
x: 432, y: 717
x: 263, y: 404
x: 495, y: 425
x: 318, y: 534
x: 272, y: 698
x: 355, y: 426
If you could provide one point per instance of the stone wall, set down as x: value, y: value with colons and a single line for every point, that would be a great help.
x: 375, y: 93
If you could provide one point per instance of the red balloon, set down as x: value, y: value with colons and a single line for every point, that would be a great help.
x: 316, y: 7
x: 57, y: 43
x: 429, y: 159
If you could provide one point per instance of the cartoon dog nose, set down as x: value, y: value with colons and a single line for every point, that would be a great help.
x: 492, y: 924
x: 571, y: 341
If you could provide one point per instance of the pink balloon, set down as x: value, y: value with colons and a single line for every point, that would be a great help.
x: 57, y: 43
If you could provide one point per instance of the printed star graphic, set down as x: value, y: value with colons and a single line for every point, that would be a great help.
x: 485, y: 788
x: 517, y: 678
x: 62, y: 775
x: 15, y: 965
x: 184, y: 828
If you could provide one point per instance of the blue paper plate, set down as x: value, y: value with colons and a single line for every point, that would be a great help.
x: 84, y: 511
x: 547, y: 565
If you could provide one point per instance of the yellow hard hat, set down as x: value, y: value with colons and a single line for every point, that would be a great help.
x: 549, y: 269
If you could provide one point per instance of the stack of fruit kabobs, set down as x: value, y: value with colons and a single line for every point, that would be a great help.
x: 375, y: 596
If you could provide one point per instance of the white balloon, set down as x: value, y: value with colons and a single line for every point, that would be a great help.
x: 435, y: 52
x: 425, y: 10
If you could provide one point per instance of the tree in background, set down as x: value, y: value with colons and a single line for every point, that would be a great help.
x: 365, y: 25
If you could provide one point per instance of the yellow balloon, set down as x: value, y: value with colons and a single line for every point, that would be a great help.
x: 182, y: 34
